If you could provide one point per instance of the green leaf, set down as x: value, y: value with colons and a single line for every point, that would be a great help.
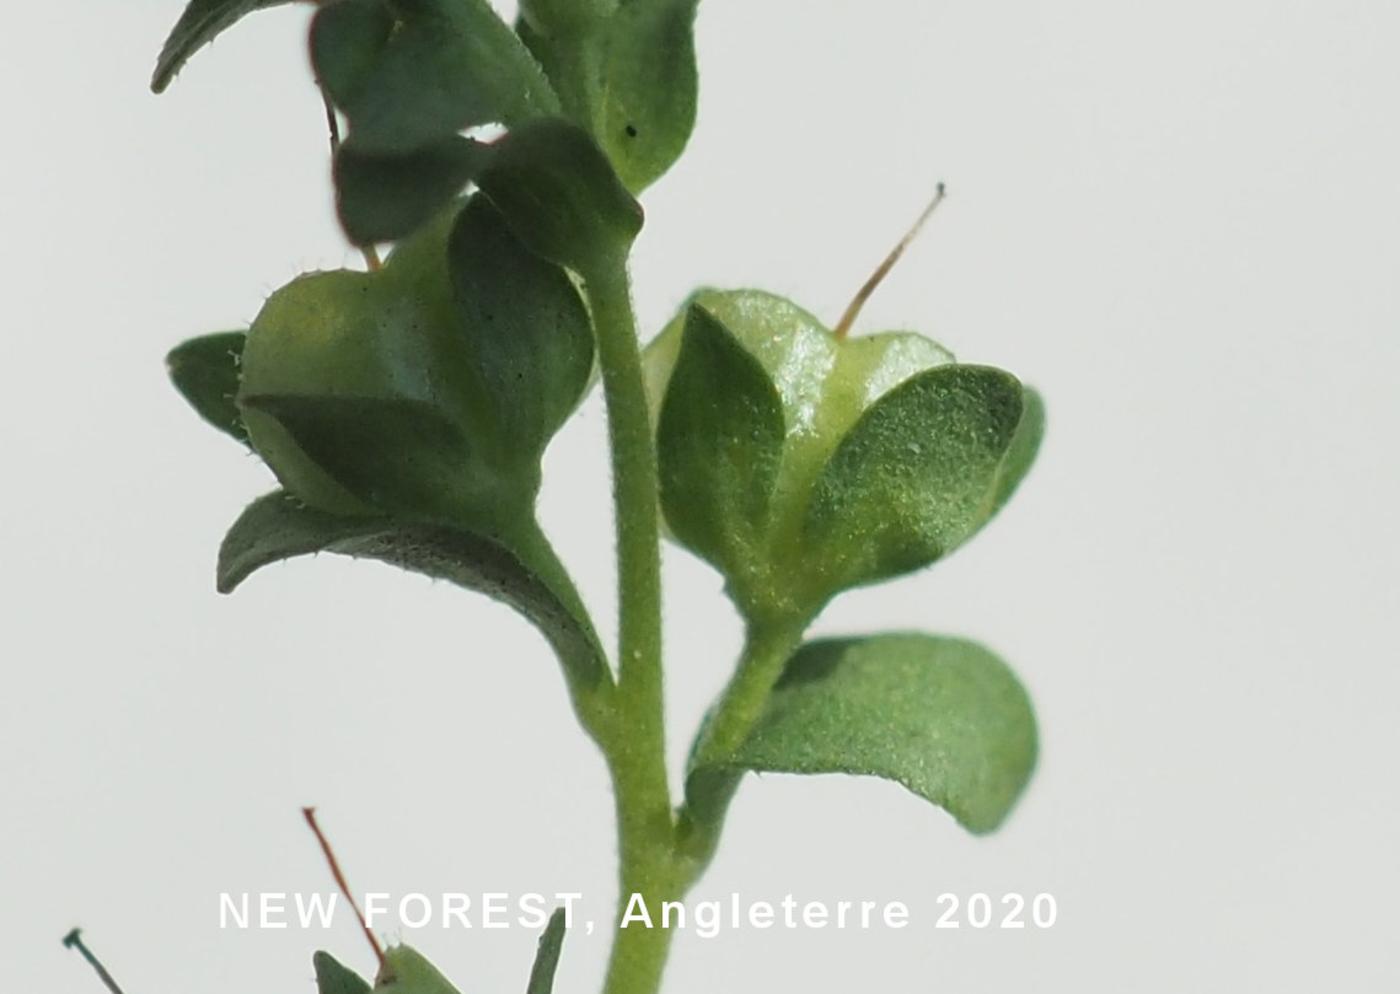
x: 915, y: 476
x: 395, y: 455
x: 943, y: 717
x: 527, y: 330
x: 201, y: 23
x: 527, y: 576
x: 348, y: 37
x: 382, y: 198
x: 720, y: 442
x: 205, y: 371
x: 561, y: 196
x: 565, y: 16
x: 332, y: 978
x: 447, y: 65
x: 1025, y: 445
x: 569, y: 55
x: 407, y: 971
x: 547, y: 957
x: 625, y: 72
x: 650, y: 88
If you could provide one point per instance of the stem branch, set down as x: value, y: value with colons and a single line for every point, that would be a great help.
x: 767, y: 649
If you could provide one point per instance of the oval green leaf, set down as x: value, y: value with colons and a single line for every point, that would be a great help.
x: 649, y: 98
x: 625, y: 72
x: 720, y: 445
x: 915, y: 477
x: 942, y: 716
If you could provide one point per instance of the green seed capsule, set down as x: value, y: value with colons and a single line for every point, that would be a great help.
x: 801, y: 463
x: 428, y: 389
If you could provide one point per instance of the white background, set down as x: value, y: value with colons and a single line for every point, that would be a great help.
x: 1178, y: 219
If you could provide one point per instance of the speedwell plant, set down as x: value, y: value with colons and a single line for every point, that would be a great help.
x: 404, y: 409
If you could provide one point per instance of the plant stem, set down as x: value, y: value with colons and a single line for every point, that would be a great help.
x: 767, y: 649
x: 636, y: 749
x: 634, y: 483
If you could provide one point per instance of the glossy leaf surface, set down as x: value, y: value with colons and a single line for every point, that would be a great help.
x: 943, y: 717
x: 527, y: 577
x: 205, y: 371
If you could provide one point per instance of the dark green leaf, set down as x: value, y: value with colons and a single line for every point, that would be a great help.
x: 407, y: 971
x: 560, y: 195
x: 396, y: 455
x: 383, y: 198
x: 448, y: 65
x: 943, y: 717
x: 648, y: 101
x: 205, y: 371
x: 201, y: 23
x: 625, y: 72
x: 348, y: 37
x: 547, y: 958
x: 571, y: 57
x: 332, y: 978
x: 1020, y: 456
x: 566, y: 16
x: 720, y: 443
x: 914, y: 477
x: 526, y: 327
x: 277, y: 527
